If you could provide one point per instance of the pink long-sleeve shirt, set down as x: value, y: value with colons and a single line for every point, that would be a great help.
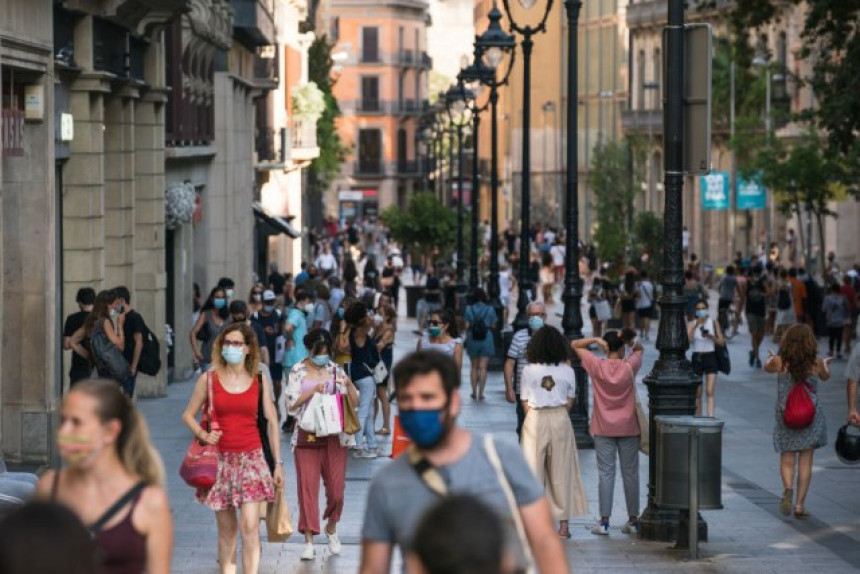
x: 614, y: 394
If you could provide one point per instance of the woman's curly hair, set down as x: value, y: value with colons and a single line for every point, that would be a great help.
x: 798, y: 351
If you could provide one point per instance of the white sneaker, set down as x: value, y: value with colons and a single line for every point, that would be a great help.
x: 333, y: 543
x: 631, y: 528
x: 308, y: 553
x: 602, y: 528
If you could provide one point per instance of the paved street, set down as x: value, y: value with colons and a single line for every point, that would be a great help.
x: 748, y: 535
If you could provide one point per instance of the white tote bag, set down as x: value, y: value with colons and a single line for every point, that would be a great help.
x: 328, y: 413
x: 603, y: 310
x: 310, y: 417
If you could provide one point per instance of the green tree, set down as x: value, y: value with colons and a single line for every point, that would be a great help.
x: 805, y: 177
x: 649, y: 238
x: 324, y: 168
x: 425, y: 224
x: 614, y: 190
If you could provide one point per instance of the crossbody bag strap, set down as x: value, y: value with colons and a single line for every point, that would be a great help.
x: 428, y: 473
x: 493, y: 455
x: 97, y: 526
x: 210, y: 407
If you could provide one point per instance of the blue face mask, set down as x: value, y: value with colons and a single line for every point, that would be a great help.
x: 340, y: 313
x: 424, y: 427
x: 269, y: 308
x: 535, y: 322
x: 435, y: 331
x: 702, y: 313
x: 219, y: 302
x: 233, y: 355
x: 320, y: 360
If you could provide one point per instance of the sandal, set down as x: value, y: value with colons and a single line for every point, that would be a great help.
x: 801, y: 513
x: 384, y: 431
x: 785, y: 503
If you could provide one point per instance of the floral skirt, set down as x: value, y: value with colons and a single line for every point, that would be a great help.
x: 243, y: 477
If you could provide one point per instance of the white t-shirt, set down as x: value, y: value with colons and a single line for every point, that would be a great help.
x: 685, y: 239
x: 547, y: 385
x: 557, y: 252
x: 646, y: 295
x: 700, y: 343
x: 549, y: 236
x: 326, y: 261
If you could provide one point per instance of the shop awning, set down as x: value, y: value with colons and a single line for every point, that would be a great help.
x: 275, y: 224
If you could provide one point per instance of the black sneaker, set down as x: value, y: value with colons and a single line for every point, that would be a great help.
x: 752, y: 359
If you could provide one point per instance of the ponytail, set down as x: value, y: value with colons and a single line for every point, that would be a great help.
x: 136, y: 452
x: 133, y: 447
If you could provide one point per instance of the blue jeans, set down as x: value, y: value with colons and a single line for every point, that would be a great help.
x: 128, y: 386
x: 367, y: 394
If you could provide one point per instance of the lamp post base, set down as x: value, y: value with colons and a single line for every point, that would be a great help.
x: 500, y: 342
x: 579, y: 413
x: 667, y: 525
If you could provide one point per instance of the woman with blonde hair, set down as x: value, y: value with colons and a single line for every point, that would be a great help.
x: 243, y: 479
x: 797, y: 363
x: 113, y: 479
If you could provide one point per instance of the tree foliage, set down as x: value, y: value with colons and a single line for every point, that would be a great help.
x: 831, y: 44
x: 649, y: 239
x: 333, y: 153
x: 614, y: 190
x: 424, y: 224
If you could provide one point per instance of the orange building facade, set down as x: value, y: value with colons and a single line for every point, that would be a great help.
x: 381, y: 64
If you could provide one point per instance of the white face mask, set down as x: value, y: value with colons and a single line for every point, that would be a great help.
x: 309, y: 308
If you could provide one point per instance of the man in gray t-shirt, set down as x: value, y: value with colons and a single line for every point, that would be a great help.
x: 446, y: 459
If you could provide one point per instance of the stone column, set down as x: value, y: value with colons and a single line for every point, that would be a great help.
x: 150, y: 277
x: 119, y: 194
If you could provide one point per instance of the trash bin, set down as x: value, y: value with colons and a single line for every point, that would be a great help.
x: 674, y: 437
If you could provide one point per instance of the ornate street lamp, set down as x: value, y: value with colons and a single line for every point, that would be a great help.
x: 457, y: 100
x: 572, y: 296
x: 521, y: 321
x: 495, y: 45
x: 472, y: 75
x: 671, y: 385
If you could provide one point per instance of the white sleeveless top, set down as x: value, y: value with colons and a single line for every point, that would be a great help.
x: 701, y: 344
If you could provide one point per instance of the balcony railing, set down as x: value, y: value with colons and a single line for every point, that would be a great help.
x: 407, y: 57
x: 426, y: 61
x: 369, y: 168
x: 408, y: 167
x: 650, y: 12
x: 303, y: 140
x: 410, y: 106
x: 642, y: 121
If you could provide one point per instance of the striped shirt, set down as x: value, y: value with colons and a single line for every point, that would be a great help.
x: 517, y: 351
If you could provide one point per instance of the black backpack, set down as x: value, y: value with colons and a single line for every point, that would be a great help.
x: 783, y: 299
x: 755, y: 294
x: 479, y: 329
x: 150, y: 357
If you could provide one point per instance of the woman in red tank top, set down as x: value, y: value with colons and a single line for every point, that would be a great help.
x: 113, y: 480
x: 243, y: 479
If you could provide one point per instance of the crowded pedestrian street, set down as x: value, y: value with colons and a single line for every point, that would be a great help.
x: 748, y: 535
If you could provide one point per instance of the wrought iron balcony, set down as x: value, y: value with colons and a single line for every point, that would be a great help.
x: 369, y: 168
x: 642, y: 121
x: 303, y: 140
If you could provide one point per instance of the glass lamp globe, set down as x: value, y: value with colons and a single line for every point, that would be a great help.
x: 527, y: 4
x: 459, y: 106
x: 493, y: 57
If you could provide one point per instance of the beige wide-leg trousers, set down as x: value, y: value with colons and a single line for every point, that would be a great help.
x: 550, y: 450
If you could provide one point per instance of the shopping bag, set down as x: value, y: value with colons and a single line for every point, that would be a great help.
x: 328, y: 411
x: 278, y: 520
x: 399, y: 441
x: 310, y: 416
x: 603, y: 310
x: 350, y: 416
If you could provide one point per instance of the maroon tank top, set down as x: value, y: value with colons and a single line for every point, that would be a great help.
x: 120, y: 549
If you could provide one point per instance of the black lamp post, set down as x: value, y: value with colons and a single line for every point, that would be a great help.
x: 457, y: 100
x: 521, y: 321
x: 572, y: 296
x: 473, y: 74
x: 671, y: 385
x: 493, y: 45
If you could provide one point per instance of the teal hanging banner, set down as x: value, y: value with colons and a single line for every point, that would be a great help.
x: 751, y: 193
x: 715, y: 191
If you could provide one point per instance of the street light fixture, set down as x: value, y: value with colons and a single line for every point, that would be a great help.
x: 521, y: 321
x: 457, y: 100
x: 494, y: 45
x: 472, y: 75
